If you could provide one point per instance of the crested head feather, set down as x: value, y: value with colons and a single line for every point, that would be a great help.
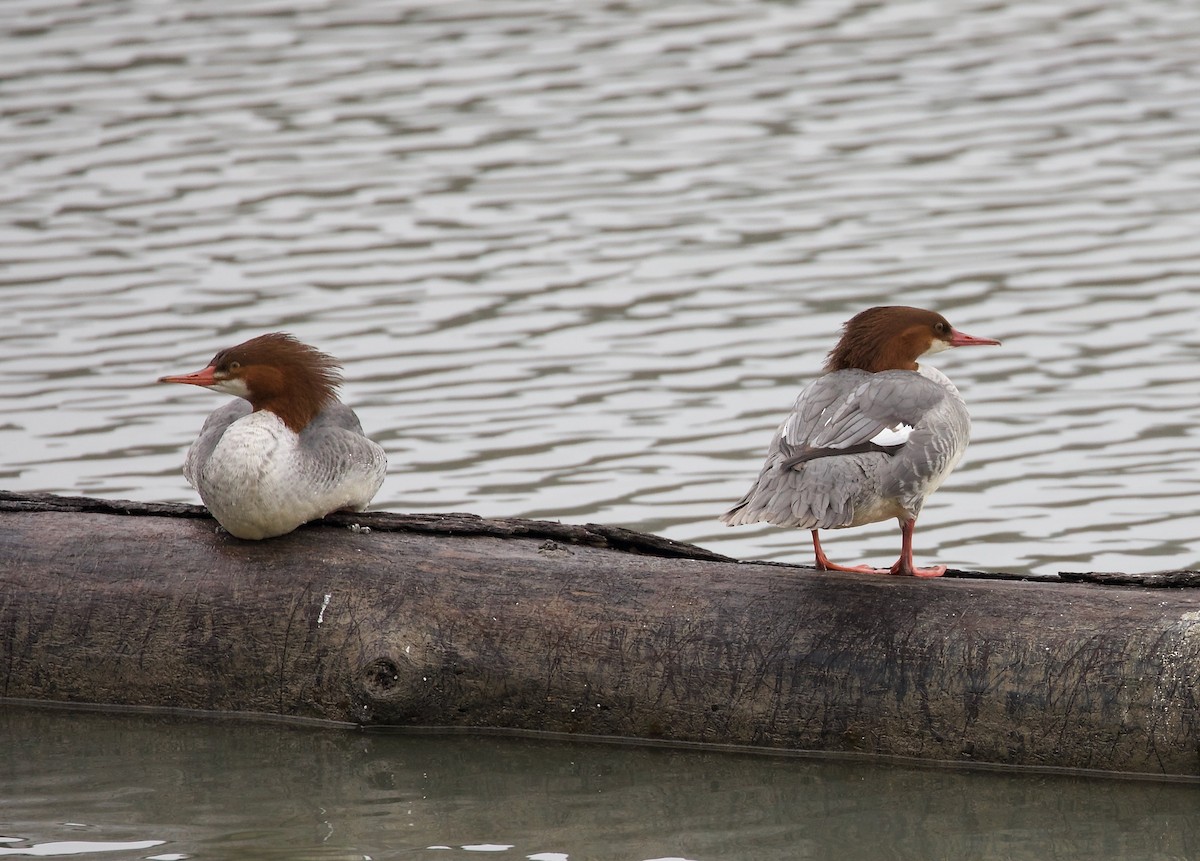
x: 890, y: 337
x: 283, y: 375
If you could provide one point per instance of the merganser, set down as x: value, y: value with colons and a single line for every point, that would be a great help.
x: 287, y: 451
x: 870, y: 439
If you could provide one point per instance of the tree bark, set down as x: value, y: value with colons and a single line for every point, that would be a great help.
x: 455, y: 620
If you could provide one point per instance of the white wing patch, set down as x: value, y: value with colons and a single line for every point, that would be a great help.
x: 898, y: 434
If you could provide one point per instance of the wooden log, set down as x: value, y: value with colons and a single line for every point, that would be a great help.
x: 459, y: 621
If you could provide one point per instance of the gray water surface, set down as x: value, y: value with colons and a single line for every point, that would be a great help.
x: 176, y: 788
x: 579, y: 257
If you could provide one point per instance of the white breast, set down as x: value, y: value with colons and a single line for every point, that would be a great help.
x: 262, y: 479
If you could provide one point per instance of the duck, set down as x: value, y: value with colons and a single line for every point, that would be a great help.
x: 868, y: 440
x: 286, y: 451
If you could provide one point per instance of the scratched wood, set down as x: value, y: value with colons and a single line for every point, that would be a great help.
x: 596, y: 630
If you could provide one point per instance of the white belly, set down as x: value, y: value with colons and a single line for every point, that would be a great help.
x: 260, y: 481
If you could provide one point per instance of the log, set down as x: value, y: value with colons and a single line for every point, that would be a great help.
x: 459, y: 621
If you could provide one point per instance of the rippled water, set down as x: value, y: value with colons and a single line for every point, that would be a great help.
x: 135, y: 787
x: 579, y: 257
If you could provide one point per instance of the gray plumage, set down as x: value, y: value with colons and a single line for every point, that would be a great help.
x: 859, y: 447
x: 260, y: 479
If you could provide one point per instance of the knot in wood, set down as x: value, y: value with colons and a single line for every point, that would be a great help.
x: 380, y: 678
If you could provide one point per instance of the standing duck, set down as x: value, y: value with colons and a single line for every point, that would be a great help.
x: 287, y: 451
x: 870, y: 439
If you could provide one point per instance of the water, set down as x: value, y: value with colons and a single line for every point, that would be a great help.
x: 204, y: 789
x: 579, y: 257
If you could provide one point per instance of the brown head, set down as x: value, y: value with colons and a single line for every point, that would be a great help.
x: 893, y: 337
x: 273, y: 372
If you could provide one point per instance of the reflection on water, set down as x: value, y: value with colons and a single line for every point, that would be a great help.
x: 235, y: 790
x: 580, y: 257
x: 77, y: 847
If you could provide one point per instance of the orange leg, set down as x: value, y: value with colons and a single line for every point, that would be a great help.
x: 823, y: 563
x: 904, y: 565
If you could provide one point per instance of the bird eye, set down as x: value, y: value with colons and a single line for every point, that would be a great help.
x: 233, y: 366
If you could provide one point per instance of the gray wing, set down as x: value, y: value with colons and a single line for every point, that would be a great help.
x: 824, y: 469
x: 341, y: 455
x: 850, y: 412
x: 336, y: 415
x: 210, y: 434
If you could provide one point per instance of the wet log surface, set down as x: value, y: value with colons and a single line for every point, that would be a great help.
x: 455, y: 620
